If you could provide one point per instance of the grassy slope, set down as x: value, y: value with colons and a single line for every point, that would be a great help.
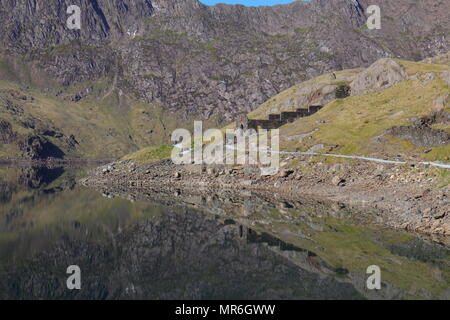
x: 152, y: 153
x: 104, y: 127
x: 354, y: 122
x: 348, y: 245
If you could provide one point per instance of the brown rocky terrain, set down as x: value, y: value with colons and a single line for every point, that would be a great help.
x: 404, y: 197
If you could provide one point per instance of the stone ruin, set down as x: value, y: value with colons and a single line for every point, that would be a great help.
x: 275, y: 120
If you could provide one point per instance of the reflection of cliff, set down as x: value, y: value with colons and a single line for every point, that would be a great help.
x: 36, y: 177
x: 182, y: 255
x: 29, y: 197
x: 6, y: 191
x: 324, y: 239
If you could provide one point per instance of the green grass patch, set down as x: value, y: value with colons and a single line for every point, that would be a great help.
x: 354, y: 123
x: 420, y: 67
x: 152, y: 153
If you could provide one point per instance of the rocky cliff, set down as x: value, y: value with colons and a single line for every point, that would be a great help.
x: 216, y: 59
x: 192, y: 61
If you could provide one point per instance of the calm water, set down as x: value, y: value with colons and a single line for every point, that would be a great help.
x: 178, y: 245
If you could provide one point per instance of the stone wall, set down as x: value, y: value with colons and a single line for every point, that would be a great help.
x: 264, y: 124
x: 286, y: 117
x: 275, y: 120
x: 7, y: 135
x: 303, y: 113
x: 314, y: 109
x: 343, y: 91
x: 242, y: 121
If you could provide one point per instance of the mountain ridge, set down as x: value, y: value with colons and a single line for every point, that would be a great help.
x: 248, y: 54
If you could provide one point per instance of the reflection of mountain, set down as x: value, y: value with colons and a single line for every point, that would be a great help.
x: 41, y: 204
x: 131, y: 250
x: 181, y: 255
x: 194, y: 247
x: 37, y: 177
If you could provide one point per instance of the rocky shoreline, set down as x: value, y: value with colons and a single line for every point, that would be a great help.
x: 403, y: 197
x: 52, y: 162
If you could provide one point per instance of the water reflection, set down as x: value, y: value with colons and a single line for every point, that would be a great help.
x: 177, y: 244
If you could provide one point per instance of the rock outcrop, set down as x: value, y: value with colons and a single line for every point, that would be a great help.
x: 38, y: 147
x: 421, y: 136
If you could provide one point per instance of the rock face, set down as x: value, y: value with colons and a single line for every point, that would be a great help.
x: 441, y: 102
x: 440, y: 59
x: 421, y: 133
x: 446, y: 77
x: 382, y: 74
x: 38, y: 147
x: 215, y: 60
x: 7, y: 135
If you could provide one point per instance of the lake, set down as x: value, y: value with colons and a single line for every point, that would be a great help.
x: 143, y: 244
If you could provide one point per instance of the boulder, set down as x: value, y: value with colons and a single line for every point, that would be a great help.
x: 446, y: 76
x: 317, y: 147
x: 381, y: 75
x: 286, y: 173
x: 38, y: 147
x: 7, y: 135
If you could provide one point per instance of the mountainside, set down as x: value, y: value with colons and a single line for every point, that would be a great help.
x: 395, y: 108
x: 184, y: 60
